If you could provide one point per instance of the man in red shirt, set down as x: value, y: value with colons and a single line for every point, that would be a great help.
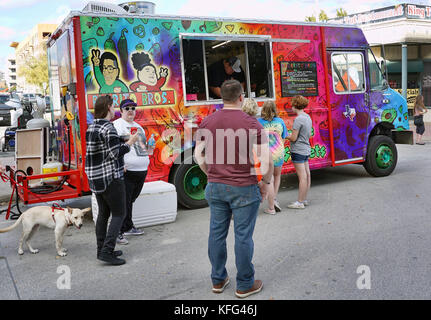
x: 225, y: 143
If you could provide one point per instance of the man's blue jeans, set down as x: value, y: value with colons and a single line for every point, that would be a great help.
x: 243, y: 202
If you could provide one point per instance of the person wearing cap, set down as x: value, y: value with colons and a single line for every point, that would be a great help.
x: 135, y: 164
x: 223, y: 70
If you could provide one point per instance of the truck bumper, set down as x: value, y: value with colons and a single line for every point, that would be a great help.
x: 402, y: 137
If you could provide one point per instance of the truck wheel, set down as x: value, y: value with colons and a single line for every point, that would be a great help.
x: 190, y: 182
x: 382, y: 156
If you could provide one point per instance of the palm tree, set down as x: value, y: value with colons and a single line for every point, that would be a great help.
x: 341, y: 13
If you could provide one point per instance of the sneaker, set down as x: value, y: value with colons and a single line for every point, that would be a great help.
x: 305, y: 202
x: 219, y: 288
x: 116, y: 253
x: 269, y: 211
x: 296, y: 205
x: 121, y: 239
x: 257, y: 287
x: 110, y: 258
x: 277, y: 206
x: 133, y: 232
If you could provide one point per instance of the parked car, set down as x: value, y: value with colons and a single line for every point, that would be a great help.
x: 5, y: 119
x: 31, y: 97
x: 4, y: 97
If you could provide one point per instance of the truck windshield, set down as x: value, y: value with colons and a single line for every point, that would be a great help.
x: 376, y: 76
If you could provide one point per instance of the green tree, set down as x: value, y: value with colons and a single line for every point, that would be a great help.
x: 341, y: 13
x: 35, y: 70
x: 323, y: 17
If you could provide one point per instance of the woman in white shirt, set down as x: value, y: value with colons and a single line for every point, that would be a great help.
x: 136, y: 164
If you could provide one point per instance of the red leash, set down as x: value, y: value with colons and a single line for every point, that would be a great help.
x: 5, y: 178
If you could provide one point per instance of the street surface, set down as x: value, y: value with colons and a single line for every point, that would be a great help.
x: 358, y: 232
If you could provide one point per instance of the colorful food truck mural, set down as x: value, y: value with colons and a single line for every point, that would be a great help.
x: 163, y: 64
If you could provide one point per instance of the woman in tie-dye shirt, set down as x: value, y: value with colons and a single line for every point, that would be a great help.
x: 277, y: 132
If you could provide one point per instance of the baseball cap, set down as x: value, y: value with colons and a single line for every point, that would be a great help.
x: 235, y: 63
x: 127, y: 103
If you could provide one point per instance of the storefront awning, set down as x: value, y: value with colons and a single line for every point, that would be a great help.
x: 413, y: 66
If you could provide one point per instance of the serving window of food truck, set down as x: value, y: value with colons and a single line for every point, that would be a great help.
x: 201, y: 55
x: 348, y: 75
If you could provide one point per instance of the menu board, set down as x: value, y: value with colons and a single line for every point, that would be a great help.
x: 298, y: 78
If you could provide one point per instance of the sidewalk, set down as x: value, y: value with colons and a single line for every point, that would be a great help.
x: 427, y: 135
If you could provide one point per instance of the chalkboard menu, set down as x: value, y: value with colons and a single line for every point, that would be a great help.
x: 298, y: 78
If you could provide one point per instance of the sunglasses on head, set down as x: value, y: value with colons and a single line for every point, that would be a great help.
x: 129, y: 108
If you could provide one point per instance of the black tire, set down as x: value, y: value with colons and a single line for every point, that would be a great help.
x: 382, y: 156
x: 190, y: 183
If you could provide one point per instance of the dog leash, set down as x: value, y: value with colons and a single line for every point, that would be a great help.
x: 6, y: 178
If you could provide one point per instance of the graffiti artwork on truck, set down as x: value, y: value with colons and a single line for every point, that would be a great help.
x: 106, y: 71
x: 147, y: 74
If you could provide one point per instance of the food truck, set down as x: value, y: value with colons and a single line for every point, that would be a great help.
x: 356, y: 117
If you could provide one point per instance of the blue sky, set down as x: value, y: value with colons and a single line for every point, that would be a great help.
x: 18, y: 17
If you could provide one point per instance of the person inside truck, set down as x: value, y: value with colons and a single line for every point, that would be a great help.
x: 106, y: 72
x: 223, y: 70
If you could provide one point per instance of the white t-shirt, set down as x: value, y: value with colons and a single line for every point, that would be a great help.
x: 137, y: 159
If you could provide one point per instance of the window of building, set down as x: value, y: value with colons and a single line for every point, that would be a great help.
x: 208, y: 61
x: 348, y: 73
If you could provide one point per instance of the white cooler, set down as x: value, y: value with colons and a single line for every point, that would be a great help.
x: 157, y: 204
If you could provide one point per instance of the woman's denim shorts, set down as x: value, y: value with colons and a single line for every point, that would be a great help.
x: 299, y: 158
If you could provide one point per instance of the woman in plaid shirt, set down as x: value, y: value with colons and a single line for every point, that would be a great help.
x: 104, y: 166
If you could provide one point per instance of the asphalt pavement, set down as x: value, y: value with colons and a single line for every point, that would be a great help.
x: 360, y: 238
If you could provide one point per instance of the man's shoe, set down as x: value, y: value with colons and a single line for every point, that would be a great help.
x: 116, y: 253
x: 219, y: 288
x: 133, y: 232
x: 121, y: 239
x: 257, y: 287
x: 111, y: 259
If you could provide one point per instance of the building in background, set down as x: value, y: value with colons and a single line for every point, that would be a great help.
x: 400, y: 35
x: 10, y: 74
x: 32, y: 46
